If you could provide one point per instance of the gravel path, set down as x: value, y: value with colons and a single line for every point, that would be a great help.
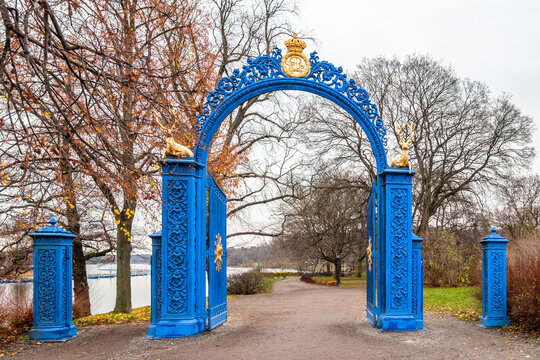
x: 296, y: 321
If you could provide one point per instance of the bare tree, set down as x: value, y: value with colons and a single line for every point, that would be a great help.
x: 519, y: 210
x: 327, y: 222
x: 466, y: 139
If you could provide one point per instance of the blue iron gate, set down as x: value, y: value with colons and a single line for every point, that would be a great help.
x: 372, y: 257
x: 217, y: 254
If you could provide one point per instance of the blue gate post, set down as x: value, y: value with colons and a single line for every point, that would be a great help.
x: 156, y: 283
x: 494, y: 281
x: 53, y: 319
x: 182, y: 311
x: 418, y: 281
x: 395, y: 229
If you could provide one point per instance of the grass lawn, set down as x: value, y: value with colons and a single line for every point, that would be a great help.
x: 458, y: 301
x: 345, y: 281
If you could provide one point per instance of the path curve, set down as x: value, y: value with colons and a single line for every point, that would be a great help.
x: 296, y: 321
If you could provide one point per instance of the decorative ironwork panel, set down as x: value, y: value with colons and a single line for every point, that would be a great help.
x: 177, y: 246
x: 217, y: 254
x: 372, y: 252
x: 399, y: 200
x: 66, y: 292
x: 47, y: 285
x: 158, y: 283
x: 414, y: 283
x: 496, y: 282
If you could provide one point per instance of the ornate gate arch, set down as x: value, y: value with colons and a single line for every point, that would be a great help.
x: 182, y: 256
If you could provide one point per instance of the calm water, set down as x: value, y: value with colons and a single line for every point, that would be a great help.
x: 103, y: 290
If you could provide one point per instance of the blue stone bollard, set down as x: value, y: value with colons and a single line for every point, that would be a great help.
x: 156, y: 283
x: 53, y: 301
x: 417, y: 281
x: 494, y: 281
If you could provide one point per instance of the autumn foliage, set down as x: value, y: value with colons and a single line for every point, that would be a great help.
x: 81, y: 82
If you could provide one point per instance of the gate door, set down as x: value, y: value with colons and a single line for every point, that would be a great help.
x: 372, y: 251
x: 217, y: 254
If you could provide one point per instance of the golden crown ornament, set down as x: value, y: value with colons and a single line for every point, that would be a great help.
x: 294, y: 63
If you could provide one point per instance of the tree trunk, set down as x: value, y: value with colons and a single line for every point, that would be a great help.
x: 337, y: 266
x: 123, y: 267
x: 80, y: 281
x: 360, y: 258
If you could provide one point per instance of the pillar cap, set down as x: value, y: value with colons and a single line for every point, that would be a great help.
x: 494, y: 237
x: 416, y: 237
x: 52, y: 230
x: 156, y: 234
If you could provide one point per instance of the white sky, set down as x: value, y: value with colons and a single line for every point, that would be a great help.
x: 495, y: 42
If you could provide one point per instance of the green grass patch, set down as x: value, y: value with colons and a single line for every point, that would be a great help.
x: 345, y: 281
x: 267, y: 283
x: 137, y: 315
x: 458, y: 301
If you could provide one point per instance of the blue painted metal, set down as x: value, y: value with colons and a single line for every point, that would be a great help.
x: 53, y: 320
x: 494, y: 281
x: 217, y: 276
x: 184, y: 238
x: 372, y: 272
x: 156, y: 283
x: 180, y: 304
x: 395, y: 226
x: 417, y: 281
x: 264, y: 74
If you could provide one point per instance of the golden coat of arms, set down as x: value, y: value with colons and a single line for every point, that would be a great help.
x: 294, y: 63
x: 369, y: 252
x: 218, y: 252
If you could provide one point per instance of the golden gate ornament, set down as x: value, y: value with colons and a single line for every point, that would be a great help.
x: 294, y: 63
x: 218, y: 252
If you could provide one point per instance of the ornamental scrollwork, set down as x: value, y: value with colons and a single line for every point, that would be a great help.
x: 47, y: 285
x: 268, y: 67
x: 158, y: 283
x: 177, y: 249
x: 415, y: 280
x: 497, y: 286
x: 398, y: 249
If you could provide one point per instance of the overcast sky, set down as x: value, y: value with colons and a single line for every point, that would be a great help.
x: 495, y: 42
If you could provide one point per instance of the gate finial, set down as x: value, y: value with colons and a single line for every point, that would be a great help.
x: 294, y: 63
x: 403, y: 159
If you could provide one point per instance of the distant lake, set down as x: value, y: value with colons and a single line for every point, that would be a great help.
x: 103, y: 289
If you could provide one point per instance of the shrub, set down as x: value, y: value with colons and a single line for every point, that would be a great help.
x: 451, y: 260
x: 16, y: 315
x: 524, y: 283
x: 246, y: 283
x: 307, y: 278
x: 331, y: 283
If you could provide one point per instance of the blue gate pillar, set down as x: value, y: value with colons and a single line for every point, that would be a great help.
x: 494, y: 281
x: 418, y: 281
x: 181, y: 310
x: 155, y: 290
x: 53, y: 319
x: 395, y: 229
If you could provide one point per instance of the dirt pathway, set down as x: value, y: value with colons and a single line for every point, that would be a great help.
x: 296, y: 321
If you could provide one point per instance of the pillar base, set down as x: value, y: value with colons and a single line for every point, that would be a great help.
x: 54, y: 334
x: 176, y: 328
x: 491, y: 321
x: 397, y: 323
x: 370, y: 316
